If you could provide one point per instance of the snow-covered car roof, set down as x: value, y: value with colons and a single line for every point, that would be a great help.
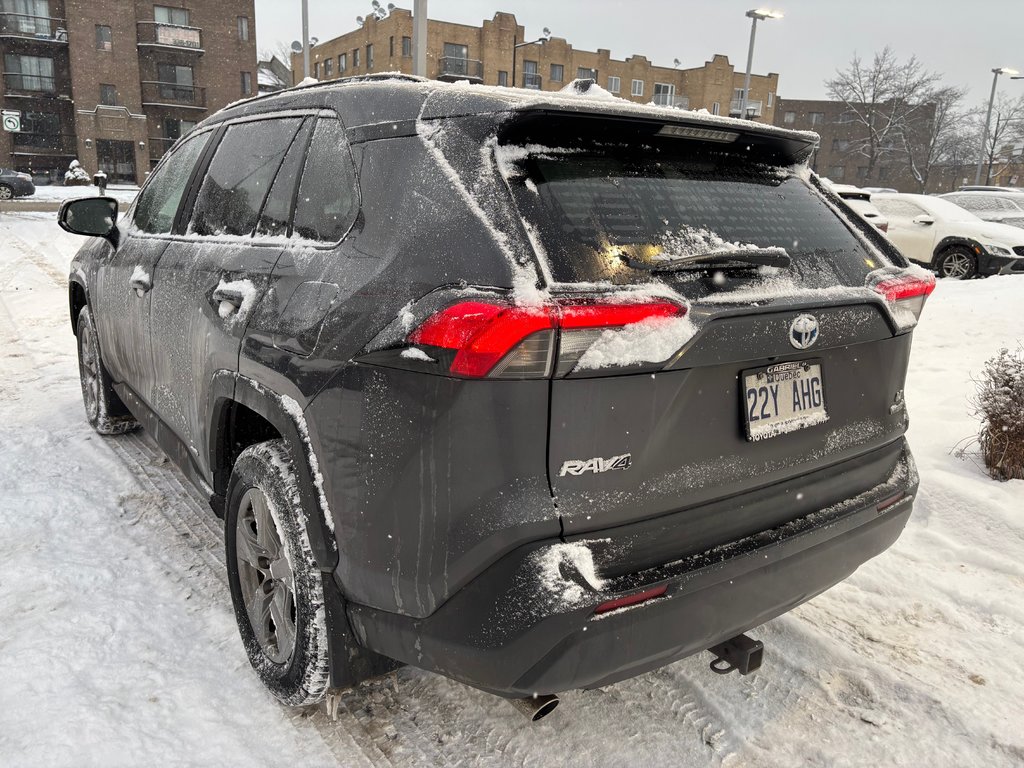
x: 397, y: 97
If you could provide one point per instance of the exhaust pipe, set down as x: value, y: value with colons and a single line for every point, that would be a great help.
x: 535, y: 707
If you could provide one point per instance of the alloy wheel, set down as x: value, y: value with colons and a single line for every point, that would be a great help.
x: 89, y: 371
x: 956, y: 264
x: 6, y: 193
x: 265, y: 576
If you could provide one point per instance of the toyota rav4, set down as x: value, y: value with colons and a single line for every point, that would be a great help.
x: 538, y: 391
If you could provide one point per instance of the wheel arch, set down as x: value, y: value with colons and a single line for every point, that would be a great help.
x: 954, y: 240
x: 78, y: 300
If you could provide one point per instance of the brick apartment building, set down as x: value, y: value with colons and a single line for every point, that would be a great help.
x: 484, y: 55
x: 838, y: 158
x: 113, y: 83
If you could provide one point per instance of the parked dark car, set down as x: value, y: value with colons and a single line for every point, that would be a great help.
x: 15, y: 184
x: 535, y: 391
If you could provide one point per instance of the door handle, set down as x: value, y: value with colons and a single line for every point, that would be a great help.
x: 141, y: 282
x: 228, y: 300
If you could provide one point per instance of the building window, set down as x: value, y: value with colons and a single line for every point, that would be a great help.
x: 243, y: 29
x: 840, y: 145
x: 862, y: 172
x: 716, y: 108
x: 817, y: 118
x: 771, y: 98
x: 391, y: 47
x: 164, y: 15
x: 836, y: 172
x: 28, y: 73
x: 369, y: 56
x: 247, y: 83
x: 664, y: 94
x: 531, y: 78
x: 316, y: 69
x: 614, y: 84
x: 586, y: 73
x: 342, y: 62
x: 108, y: 95
x: 104, y: 38
x: 328, y: 67
x: 557, y: 73
x: 789, y: 118
x: 502, y: 78
x: 355, y: 58
x: 637, y: 88
x: 407, y: 46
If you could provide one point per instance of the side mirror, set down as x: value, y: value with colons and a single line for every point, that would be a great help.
x: 92, y: 216
x: 924, y: 220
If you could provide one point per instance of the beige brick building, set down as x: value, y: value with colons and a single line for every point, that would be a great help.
x: 484, y: 55
x: 114, y: 83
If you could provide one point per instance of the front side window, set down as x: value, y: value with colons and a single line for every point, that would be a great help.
x: 104, y: 38
x: 637, y: 88
x: 239, y: 176
x: 898, y: 209
x: 159, y: 200
x: 327, y: 201
x: 614, y: 84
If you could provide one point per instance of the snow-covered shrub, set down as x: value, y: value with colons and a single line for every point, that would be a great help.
x: 76, y: 176
x: 1000, y: 405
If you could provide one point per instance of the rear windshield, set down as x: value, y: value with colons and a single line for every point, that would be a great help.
x: 594, y: 213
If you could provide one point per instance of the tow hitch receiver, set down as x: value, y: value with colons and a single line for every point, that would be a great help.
x: 741, y: 653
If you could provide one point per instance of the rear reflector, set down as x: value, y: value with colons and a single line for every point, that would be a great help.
x: 634, y: 599
x: 500, y: 340
x: 884, y: 505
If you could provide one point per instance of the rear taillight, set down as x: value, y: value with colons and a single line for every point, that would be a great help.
x: 906, y: 294
x: 884, y: 226
x: 496, y: 339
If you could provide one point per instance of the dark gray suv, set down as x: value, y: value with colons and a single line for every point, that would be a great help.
x: 537, y: 391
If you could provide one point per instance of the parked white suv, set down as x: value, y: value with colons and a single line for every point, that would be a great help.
x: 949, y: 239
x: 860, y: 200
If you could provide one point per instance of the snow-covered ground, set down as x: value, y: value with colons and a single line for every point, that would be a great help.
x: 124, y: 194
x: 118, y: 646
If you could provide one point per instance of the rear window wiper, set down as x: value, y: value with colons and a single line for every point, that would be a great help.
x: 732, y: 258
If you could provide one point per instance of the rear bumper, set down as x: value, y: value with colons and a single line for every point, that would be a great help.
x: 527, y: 624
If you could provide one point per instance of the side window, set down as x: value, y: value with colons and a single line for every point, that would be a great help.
x: 327, y: 200
x: 239, y: 176
x: 902, y: 209
x: 158, y: 202
x: 277, y: 212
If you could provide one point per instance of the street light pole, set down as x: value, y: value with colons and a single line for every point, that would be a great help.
x: 516, y: 46
x: 419, y: 38
x: 757, y: 14
x: 988, y: 118
x: 305, y: 38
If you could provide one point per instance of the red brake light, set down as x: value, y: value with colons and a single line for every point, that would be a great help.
x: 482, y: 334
x: 899, y: 288
x: 634, y: 599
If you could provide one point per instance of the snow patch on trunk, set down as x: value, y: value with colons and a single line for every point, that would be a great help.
x: 653, y: 340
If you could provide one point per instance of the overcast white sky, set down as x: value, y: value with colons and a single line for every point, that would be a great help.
x: 964, y: 39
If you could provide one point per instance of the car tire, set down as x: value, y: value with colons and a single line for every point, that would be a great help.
x: 6, y: 193
x: 957, y: 262
x: 276, y: 587
x: 104, y: 410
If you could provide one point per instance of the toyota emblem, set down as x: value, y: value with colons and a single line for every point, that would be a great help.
x: 803, y: 331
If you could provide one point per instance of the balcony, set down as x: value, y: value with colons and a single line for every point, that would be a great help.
x: 31, y: 143
x: 43, y: 29
x: 532, y: 81
x: 41, y: 86
x: 451, y: 68
x: 754, y: 108
x: 157, y: 94
x: 163, y: 35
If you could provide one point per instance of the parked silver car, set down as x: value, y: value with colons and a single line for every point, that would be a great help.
x: 1000, y: 207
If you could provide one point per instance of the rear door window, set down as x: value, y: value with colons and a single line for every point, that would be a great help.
x: 277, y: 211
x: 596, y: 213
x: 327, y: 200
x: 239, y: 176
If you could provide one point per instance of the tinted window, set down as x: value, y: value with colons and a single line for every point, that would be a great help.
x: 239, y: 176
x: 597, y: 212
x: 158, y: 202
x: 327, y: 200
x: 277, y: 211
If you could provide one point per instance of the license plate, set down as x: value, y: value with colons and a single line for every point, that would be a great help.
x: 783, y: 398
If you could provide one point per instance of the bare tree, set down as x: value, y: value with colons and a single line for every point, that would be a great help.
x: 887, y: 98
x: 1006, y: 129
x: 940, y: 138
x: 281, y: 50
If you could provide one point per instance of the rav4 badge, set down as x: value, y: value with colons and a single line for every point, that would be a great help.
x: 595, y: 465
